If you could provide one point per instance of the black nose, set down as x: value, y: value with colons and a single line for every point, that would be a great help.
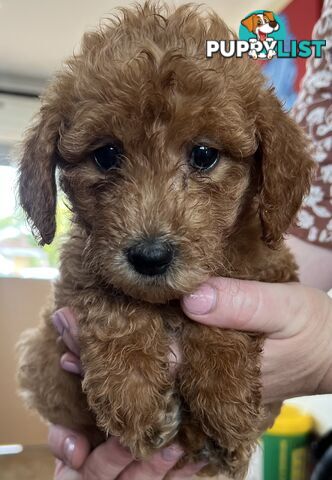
x: 273, y: 23
x: 150, y: 256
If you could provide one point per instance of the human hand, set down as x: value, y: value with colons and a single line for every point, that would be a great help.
x: 110, y: 460
x: 297, y: 322
x: 297, y: 357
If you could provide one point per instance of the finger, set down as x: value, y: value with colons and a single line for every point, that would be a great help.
x: 186, y: 472
x: 71, y: 363
x: 107, y: 461
x: 70, y: 447
x: 156, y: 467
x: 249, y: 305
x: 66, y: 325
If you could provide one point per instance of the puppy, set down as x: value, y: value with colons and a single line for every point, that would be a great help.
x: 261, y: 24
x: 177, y: 168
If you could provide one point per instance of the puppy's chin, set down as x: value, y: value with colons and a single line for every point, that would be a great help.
x: 160, y: 288
x: 152, y: 292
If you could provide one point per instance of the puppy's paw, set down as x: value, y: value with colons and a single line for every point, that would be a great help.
x: 147, y: 433
x: 219, y: 460
x: 153, y: 433
x: 127, y: 379
x: 233, y: 464
x: 226, y: 402
x: 143, y: 414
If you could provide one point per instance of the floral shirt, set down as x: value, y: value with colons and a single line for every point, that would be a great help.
x: 313, y: 111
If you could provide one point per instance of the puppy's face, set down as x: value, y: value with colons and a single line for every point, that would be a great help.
x: 159, y: 186
x: 157, y: 150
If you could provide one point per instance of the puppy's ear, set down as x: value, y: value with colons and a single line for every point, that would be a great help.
x: 249, y: 23
x: 37, y: 186
x: 286, y: 168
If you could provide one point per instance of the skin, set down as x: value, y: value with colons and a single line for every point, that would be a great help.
x: 298, y: 346
x: 315, y: 263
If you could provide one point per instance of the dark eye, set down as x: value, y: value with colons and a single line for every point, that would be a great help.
x: 108, y: 157
x: 203, y: 157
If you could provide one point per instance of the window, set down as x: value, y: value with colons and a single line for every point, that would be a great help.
x: 20, y: 255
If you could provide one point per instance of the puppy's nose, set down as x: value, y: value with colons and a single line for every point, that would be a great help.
x: 273, y: 23
x: 150, y: 256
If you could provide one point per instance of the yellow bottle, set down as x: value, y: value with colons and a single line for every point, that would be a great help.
x: 286, y: 445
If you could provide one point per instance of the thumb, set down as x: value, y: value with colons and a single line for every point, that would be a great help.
x: 248, y: 305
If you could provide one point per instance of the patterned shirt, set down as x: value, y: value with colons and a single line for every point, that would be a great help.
x: 313, y: 111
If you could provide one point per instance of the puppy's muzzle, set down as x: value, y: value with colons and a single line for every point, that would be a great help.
x: 150, y: 256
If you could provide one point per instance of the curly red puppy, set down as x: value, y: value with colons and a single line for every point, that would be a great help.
x: 177, y: 168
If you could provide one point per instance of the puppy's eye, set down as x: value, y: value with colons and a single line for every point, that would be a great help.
x: 203, y: 157
x: 108, y: 157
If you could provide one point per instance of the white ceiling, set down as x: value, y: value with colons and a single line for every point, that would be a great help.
x: 37, y: 35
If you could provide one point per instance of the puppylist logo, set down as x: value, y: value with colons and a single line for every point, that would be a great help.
x: 262, y: 36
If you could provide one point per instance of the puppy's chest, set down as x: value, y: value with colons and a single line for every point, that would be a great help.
x: 173, y: 318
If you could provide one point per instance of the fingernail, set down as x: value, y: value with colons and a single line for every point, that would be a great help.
x: 60, y: 322
x: 172, y: 453
x: 69, y: 449
x: 71, y: 367
x: 202, y: 301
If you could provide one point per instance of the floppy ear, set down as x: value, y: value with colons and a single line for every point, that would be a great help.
x: 269, y: 15
x: 286, y: 168
x: 249, y: 23
x: 37, y: 186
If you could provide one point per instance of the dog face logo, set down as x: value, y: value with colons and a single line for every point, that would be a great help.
x: 262, y: 26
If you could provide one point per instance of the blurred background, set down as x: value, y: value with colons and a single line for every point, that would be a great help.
x: 35, y: 37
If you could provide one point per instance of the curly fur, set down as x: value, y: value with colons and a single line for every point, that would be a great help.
x: 143, y: 79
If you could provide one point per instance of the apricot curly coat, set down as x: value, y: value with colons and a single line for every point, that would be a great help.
x: 143, y: 79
